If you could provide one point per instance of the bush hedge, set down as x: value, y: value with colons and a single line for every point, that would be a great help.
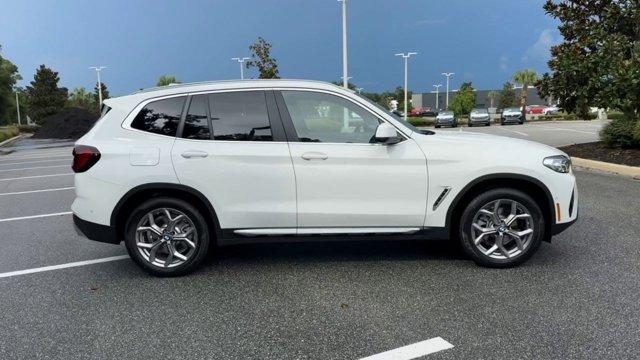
x: 623, y: 133
x: 8, y: 132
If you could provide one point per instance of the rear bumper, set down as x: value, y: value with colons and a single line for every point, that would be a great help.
x: 96, y: 232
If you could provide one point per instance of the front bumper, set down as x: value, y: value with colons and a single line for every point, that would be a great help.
x: 480, y: 120
x: 96, y: 232
x: 512, y: 119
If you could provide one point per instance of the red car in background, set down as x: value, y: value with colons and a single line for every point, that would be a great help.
x: 536, y: 109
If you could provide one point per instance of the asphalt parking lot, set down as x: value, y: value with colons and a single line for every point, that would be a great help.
x: 576, y: 298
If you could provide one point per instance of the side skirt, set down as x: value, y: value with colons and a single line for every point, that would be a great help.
x: 232, y: 237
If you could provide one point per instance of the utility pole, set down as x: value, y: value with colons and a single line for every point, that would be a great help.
x: 98, y: 69
x: 345, y: 72
x: 241, y: 62
x: 406, y: 61
x: 18, y: 108
x: 437, y: 94
x: 448, y: 75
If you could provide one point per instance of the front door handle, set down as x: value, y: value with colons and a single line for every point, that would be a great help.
x: 313, y: 155
x: 194, y: 154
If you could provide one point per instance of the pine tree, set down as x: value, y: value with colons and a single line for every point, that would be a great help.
x: 105, y: 93
x: 507, y: 96
x: 44, y: 97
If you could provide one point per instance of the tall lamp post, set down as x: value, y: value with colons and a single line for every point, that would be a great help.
x: 345, y: 72
x: 437, y: 96
x: 406, y: 61
x: 98, y: 69
x: 359, y: 90
x: 241, y: 62
x: 448, y: 75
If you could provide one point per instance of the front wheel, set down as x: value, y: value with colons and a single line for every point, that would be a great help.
x: 167, y: 236
x: 501, y: 228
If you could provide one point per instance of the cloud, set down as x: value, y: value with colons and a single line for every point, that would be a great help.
x: 539, y: 51
x: 504, y: 62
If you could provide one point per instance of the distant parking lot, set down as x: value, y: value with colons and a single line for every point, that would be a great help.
x: 576, y: 298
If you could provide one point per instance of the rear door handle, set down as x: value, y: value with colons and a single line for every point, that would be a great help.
x: 194, y: 154
x: 313, y: 155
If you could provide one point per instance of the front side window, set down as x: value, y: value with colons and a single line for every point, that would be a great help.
x: 240, y: 116
x: 160, y: 117
x: 196, y: 124
x: 320, y: 117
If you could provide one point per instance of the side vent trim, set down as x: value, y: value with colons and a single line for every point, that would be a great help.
x: 443, y: 195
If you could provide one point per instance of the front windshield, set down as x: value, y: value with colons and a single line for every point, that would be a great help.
x: 512, y: 109
x: 446, y: 113
x: 388, y: 112
x: 479, y: 111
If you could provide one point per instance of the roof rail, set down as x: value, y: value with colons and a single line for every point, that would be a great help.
x: 213, y: 82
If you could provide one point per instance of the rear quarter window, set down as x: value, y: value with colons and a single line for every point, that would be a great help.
x: 160, y: 117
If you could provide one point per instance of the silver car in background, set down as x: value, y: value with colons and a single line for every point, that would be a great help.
x: 511, y: 115
x: 479, y: 116
x: 446, y: 118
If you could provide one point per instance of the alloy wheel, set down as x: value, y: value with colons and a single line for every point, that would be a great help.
x: 502, y: 229
x: 166, y: 237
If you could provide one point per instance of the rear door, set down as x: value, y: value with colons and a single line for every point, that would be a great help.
x: 231, y: 148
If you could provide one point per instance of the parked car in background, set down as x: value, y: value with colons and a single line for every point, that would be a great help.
x: 511, y: 115
x: 431, y: 113
x: 175, y: 170
x: 446, y: 118
x: 550, y: 110
x: 536, y: 109
x: 479, y: 116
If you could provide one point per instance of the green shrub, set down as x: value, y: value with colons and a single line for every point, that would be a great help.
x: 420, y: 121
x: 615, y: 115
x: 621, y: 133
x: 8, y: 132
x: 27, y: 128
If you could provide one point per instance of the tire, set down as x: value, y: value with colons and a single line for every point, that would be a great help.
x: 437, y: 126
x: 470, y: 125
x: 521, y: 122
x: 529, y: 243
x: 191, y: 219
x: 487, y: 124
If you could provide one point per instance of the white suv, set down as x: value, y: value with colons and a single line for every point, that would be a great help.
x: 174, y: 171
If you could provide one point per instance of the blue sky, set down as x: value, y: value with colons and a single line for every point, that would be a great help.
x: 482, y: 41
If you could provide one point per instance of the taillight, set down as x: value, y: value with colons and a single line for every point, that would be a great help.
x: 84, y: 157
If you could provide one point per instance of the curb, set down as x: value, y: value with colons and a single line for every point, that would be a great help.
x: 10, y: 140
x: 632, y: 171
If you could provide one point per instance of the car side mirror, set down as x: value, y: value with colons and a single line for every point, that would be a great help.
x: 387, y: 134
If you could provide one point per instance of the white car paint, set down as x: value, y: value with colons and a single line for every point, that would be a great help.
x: 270, y: 185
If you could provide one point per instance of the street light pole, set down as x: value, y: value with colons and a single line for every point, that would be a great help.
x: 359, y: 90
x: 448, y: 75
x: 345, y: 79
x: 406, y: 77
x: 437, y: 94
x: 18, y: 108
x: 98, y: 69
x: 241, y: 62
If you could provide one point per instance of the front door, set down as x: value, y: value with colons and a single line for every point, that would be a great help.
x: 344, y: 178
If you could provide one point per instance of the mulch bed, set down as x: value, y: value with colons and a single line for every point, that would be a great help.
x: 599, y: 152
x: 70, y: 123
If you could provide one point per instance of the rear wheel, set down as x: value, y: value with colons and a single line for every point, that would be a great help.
x: 437, y: 126
x: 167, y: 237
x: 501, y: 228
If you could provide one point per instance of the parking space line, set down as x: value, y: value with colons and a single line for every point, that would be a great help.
x: 63, y: 266
x: 515, y: 132
x: 36, y: 191
x: 574, y: 130
x: 36, y: 216
x: 35, y: 167
x: 36, y: 176
x: 9, y: 157
x: 34, y: 162
x: 411, y: 351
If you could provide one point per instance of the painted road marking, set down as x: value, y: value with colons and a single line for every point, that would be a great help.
x: 515, y: 132
x: 63, y: 266
x: 44, y: 155
x: 34, y: 162
x: 36, y: 176
x: 36, y: 191
x: 412, y: 351
x: 36, y: 167
x: 563, y: 129
x: 36, y: 216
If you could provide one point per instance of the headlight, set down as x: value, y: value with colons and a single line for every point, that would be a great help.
x: 559, y: 163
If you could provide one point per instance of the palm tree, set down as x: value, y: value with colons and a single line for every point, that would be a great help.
x: 165, y: 80
x: 525, y: 78
x: 79, y: 97
x: 492, y: 95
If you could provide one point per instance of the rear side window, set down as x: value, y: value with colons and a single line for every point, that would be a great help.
x: 196, y: 124
x: 240, y: 116
x: 160, y: 117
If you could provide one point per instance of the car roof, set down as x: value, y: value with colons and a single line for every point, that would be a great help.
x: 187, y: 88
